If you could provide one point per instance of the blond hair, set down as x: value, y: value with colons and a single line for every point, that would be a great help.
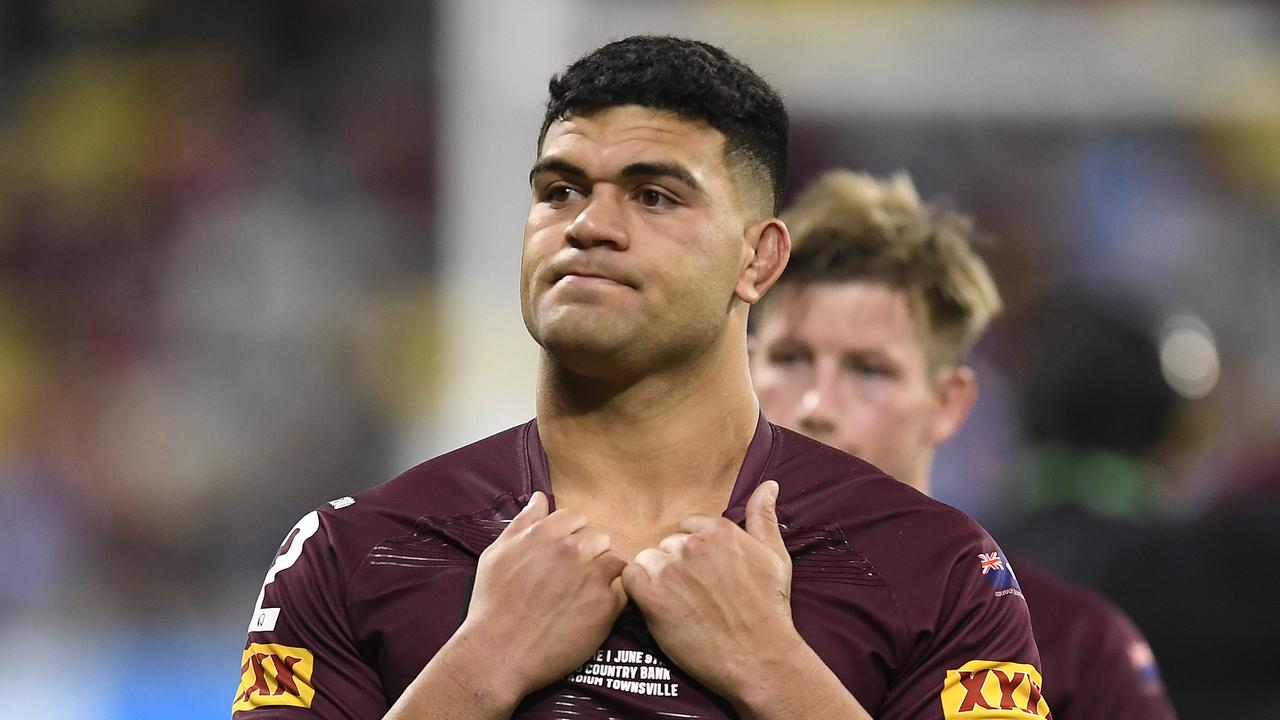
x: 849, y: 226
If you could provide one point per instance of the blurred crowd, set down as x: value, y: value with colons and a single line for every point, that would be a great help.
x: 217, y: 253
x: 211, y: 217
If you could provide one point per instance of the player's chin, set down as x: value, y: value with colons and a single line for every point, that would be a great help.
x: 582, y: 342
x: 587, y: 348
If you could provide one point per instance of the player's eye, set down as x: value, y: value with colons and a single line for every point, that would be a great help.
x: 560, y: 194
x: 788, y: 357
x: 654, y: 198
x: 868, y: 369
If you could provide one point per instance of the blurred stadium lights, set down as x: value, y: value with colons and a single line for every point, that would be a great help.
x: 1189, y: 356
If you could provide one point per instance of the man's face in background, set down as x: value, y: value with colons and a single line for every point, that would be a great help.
x: 844, y: 363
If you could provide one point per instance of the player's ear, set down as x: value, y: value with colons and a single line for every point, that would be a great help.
x: 955, y: 390
x: 766, y: 248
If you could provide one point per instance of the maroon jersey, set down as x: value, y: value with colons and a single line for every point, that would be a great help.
x: 1097, y: 662
x: 907, y: 600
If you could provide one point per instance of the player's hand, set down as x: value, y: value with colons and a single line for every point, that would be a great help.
x: 546, y: 594
x: 716, y: 598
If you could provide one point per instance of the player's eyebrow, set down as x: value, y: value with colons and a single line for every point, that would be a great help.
x: 662, y: 169
x: 671, y: 170
x: 559, y: 166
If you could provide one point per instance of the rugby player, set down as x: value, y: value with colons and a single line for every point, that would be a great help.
x: 862, y: 345
x: 649, y: 545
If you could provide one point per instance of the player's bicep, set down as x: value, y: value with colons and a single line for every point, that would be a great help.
x: 981, y: 662
x: 300, y: 659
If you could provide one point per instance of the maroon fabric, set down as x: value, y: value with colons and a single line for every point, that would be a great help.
x: 1096, y: 663
x: 887, y: 587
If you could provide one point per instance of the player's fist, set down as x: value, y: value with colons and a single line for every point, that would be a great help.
x: 546, y: 594
x: 718, y: 598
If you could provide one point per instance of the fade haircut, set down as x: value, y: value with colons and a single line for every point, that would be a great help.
x: 694, y: 80
x: 849, y: 226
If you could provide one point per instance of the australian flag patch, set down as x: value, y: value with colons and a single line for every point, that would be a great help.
x: 996, y: 570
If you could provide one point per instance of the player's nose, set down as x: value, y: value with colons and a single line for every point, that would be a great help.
x: 600, y: 222
x: 818, y: 414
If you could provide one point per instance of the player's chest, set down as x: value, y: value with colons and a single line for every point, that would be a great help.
x: 413, y: 595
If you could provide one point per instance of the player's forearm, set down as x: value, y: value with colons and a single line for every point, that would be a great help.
x: 792, y: 683
x: 461, y: 682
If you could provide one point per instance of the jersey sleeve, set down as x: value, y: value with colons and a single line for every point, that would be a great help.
x: 301, y: 658
x: 1120, y: 678
x: 972, y: 653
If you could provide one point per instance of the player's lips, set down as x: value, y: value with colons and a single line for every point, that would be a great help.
x: 574, y: 272
x: 576, y: 277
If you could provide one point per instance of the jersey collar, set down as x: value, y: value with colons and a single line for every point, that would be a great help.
x: 757, y: 466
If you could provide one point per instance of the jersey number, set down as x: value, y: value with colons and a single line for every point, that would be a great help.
x: 264, y: 619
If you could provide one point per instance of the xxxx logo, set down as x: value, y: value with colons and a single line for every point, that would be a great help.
x: 274, y: 675
x: 989, y: 689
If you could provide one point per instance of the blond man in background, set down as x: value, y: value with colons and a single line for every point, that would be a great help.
x: 862, y: 345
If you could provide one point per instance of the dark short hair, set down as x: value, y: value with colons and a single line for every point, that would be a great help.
x: 690, y: 78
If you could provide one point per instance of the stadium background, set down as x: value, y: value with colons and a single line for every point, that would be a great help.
x: 255, y: 256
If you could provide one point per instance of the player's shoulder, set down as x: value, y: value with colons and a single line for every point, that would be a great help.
x: 1090, y: 640
x: 930, y: 554
x: 1056, y: 602
x: 823, y: 484
x: 469, y: 481
x: 458, y: 482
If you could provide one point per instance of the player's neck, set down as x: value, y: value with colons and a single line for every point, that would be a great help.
x: 922, y: 476
x: 656, y: 445
x: 914, y: 474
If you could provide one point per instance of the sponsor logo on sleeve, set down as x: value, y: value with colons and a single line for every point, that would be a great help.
x: 993, y: 690
x: 264, y: 620
x: 996, y: 570
x: 274, y: 675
